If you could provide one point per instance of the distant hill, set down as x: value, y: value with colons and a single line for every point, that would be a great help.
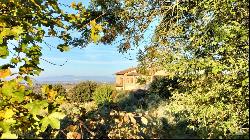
x: 73, y: 79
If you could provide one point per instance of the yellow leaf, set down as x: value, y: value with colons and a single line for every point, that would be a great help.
x: 95, y: 29
x: 92, y: 23
x: 8, y: 114
x: 2, y: 113
x: 44, y: 88
x: 17, y: 30
x: 5, y: 73
x: 52, y: 94
x: 73, y: 4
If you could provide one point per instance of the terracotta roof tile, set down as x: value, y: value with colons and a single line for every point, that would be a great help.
x: 133, y: 74
x: 125, y: 71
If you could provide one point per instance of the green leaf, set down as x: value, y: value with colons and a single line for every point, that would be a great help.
x: 52, y: 120
x: 215, y: 70
x: 45, y: 123
x: 17, y: 30
x: 63, y: 47
x: 7, y: 89
x: 9, y: 135
x: 27, y: 78
x: 57, y: 115
x: 14, y: 60
x: 55, y: 123
x: 6, y: 124
x: 5, y: 32
x: 36, y: 107
x: 18, y: 96
x: 245, y: 82
x: 4, y: 51
x: 1, y: 39
x: 11, y: 91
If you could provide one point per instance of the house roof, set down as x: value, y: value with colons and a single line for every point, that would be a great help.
x: 133, y: 74
x: 124, y: 71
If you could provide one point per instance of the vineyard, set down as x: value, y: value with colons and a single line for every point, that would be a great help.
x: 202, y: 45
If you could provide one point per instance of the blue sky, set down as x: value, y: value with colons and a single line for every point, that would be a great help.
x: 94, y: 60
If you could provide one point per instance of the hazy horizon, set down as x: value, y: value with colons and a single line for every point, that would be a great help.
x: 72, y: 78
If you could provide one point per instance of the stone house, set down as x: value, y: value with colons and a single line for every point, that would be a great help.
x: 127, y: 79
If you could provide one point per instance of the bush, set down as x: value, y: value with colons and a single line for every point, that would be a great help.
x: 127, y: 102
x: 163, y: 86
x: 60, y: 89
x: 152, y: 100
x: 103, y: 94
x: 134, y: 100
x: 120, y: 95
x: 82, y: 92
x: 210, y: 108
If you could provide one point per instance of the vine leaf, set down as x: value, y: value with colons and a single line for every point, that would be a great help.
x: 13, y: 91
x: 52, y: 120
x: 57, y: 115
x: 8, y: 114
x: 9, y: 135
x: 6, y: 124
x: 36, y: 107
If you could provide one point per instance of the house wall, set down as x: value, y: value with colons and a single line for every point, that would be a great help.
x: 125, y: 82
x: 119, y: 82
x: 129, y: 82
x: 119, y: 88
x: 119, y: 79
x: 129, y: 86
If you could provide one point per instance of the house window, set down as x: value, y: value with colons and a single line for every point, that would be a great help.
x: 131, y: 80
x: 127, y: 80
x: 121, y: 80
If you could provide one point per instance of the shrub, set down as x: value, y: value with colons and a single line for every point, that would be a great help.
x: 103, y: 94
x: 128, y: 102
x: 120, y: 95
x: 152, y: 100
x: 82, y: 92
x: 60, y: 89
x: 132, y: 100
x: 208, y: 120
x: 163, y: 86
